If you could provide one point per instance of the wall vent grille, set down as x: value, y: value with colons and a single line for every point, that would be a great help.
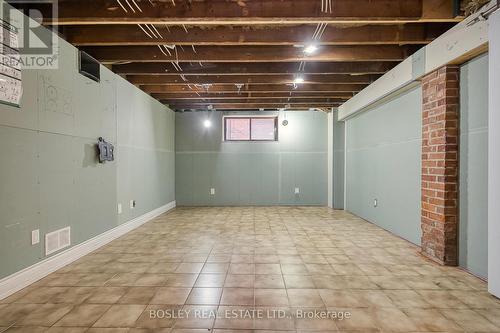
x: 57, y: 240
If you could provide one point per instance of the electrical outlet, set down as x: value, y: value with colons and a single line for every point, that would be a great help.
x: 297, y: 190
x: 132, y: 204
x: 119, y: 208
x: 375, y: 202
x: 212, y: 191
x: 35, y: 237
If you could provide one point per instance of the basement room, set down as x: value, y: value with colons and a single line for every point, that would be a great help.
x: 250, y: 166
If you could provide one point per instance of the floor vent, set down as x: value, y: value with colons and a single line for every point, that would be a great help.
x: 57, y: 240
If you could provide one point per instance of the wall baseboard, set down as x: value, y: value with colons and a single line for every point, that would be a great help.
x: 19, y: 280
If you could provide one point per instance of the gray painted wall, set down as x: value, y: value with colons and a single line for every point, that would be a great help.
x: 251, y: 173
x: 49, y: 175
x: 383, y: 163
x: 473, y: 231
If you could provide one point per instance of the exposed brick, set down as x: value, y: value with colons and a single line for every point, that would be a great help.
x: 440, y: 139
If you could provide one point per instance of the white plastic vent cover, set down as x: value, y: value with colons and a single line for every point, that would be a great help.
x: 57, y: 240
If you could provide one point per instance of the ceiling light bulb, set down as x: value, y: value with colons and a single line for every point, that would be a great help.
x: 310, y: 49
x: 298, y: 80
x: 207, y: 123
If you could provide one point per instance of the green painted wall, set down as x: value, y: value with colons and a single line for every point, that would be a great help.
x: 49, y: 175
x: 251, y: 173
x: 383, y: 163
x: 473, y: 231
x: 146, y: 157
x: 338, y: 162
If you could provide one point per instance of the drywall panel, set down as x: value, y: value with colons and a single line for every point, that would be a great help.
x: 473, y: 229
x: 56, y: 93
x: 288, y: 165
x: 250, y: 186
x: 57, y: 173
x: 330, y: 158
x: 19, y: 199
x: 270, y: 180
x: 389, y: 83
x: 145, y: 150
x: 203, y: 182
x: 184, y: 180
x: 494, y: 156
x: 94, y: 107
x: 251, y: 173
x: 49, y: 173
x: 338, y: 161
x: 95, y: 193
x: 383, y: 165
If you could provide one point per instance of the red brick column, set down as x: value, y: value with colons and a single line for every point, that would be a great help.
x: 440, y: 134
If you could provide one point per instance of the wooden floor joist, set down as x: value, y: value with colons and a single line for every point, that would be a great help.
x: 269, y: 12
x: 118, y: 54
x: 249, y: 54
x: 232, y: 88
x: 257, y: 100
x: 243, y: 106
x: 251, y: 95
x: 355, y: 68
x: 107, y: 35
x: 250, y: 79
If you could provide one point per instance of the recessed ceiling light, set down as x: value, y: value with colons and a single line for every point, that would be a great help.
x: 298, y: 80
x: 310, y: 49
x: 207, y: 123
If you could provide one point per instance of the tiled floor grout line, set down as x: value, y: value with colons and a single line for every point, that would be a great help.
x: 365, y: 269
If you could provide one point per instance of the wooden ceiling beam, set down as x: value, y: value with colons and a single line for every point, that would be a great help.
x: 99, y: 35
x: 246, y: 106
x: 249, y: 79
x: 250, y: 95
x: 119, y: 54
x: 72, y: 12
x: 256, y: 100
x: 231, y: 88
x: 254, y: 68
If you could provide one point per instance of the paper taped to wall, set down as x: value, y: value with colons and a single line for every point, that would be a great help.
x: 10, y: 65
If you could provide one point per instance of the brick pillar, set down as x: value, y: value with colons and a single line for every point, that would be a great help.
x: 440, y: 134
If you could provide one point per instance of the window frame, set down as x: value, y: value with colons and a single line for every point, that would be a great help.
x: 224, y: 128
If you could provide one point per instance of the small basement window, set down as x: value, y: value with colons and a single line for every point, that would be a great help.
x: 250, y: 128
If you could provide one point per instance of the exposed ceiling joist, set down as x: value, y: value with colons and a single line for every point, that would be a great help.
x: 356, y: 68
x: 250, y: 54
x: 256, y: 100
x: 250, y: 79
x: 246, y: 106
x: 251, y: 95
x: 72, y: 12
x: 231, y: 88
x: 106, y: 35
x: 118, y: 54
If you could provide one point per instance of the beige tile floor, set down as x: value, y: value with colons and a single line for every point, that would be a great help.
x: 235, y: 269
